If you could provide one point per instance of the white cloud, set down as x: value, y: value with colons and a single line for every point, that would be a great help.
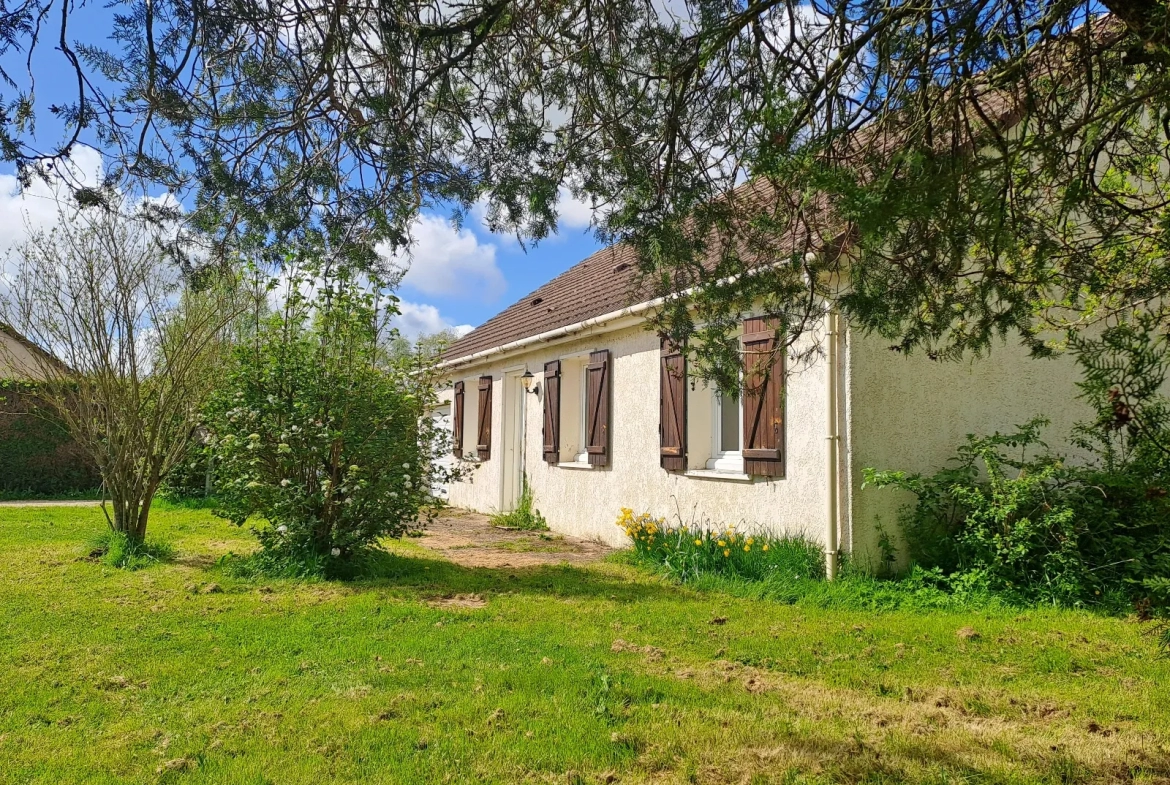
x: 416, y: 319
x: 36, y: 206
x: 449, y: 262
x: 573, y: 213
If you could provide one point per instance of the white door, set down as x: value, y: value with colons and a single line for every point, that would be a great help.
x: 512, y: 476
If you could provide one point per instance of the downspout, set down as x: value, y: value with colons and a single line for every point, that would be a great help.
x: 833, y: 447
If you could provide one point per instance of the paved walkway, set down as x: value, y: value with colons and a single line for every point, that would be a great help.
x: 468, y: 539
x: 53, y: 503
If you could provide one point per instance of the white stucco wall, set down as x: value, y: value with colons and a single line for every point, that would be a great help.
x: 586, y: 502
x: 896, y: 412
x: 911, y: 413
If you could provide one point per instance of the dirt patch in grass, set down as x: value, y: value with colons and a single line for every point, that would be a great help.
x: 469, y: 540
x: 458, y: 601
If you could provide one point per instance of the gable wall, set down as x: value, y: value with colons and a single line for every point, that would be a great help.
x: 912, y: 413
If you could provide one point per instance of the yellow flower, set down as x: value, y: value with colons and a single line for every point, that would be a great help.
x: 721, y: 543
x: 765, y: 546
x: 726, y: 554
x: 698, y: 542
x: 751, y: 540
x: 747, y: 548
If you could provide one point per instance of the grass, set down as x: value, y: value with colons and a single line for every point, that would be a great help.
x: 181, y: 673
x: 524, y: 516
x: 115, y: 549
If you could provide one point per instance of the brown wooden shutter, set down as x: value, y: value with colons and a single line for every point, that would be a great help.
x: 552, y: 411
x: 597, y: 386
x: 483, y: 442
x: 457, y: 422
x: 763, y: 399
x: 672, y: 408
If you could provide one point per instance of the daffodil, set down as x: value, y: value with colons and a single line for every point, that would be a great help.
x: 721, y: 543
x: 698, y: 542
x: 747, y: 548
x: 765, y: 546
x: 726, y: 554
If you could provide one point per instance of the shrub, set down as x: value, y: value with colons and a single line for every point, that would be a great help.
x: 320, y: 434
x: 689, y: 552
x: 1012, y: 518
x: 524, y: 516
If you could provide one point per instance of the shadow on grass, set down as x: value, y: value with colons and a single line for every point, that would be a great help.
x: 432, y: 577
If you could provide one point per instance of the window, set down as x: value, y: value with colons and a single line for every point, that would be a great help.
x: 571, y: 411
x: 727, y: 434
x: 725, y: 437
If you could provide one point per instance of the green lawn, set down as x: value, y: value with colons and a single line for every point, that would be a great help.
x: 566, y: 675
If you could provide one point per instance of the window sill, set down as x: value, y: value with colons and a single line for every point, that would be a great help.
x: 714, y: 474
x: 575, y: 465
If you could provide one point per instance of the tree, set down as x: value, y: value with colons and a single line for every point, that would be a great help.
x: 318, y: 431
x: 951, y: 171
x: 129, y: 352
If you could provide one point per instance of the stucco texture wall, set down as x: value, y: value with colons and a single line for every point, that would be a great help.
x: 586, y: 502
x: 911, y: 413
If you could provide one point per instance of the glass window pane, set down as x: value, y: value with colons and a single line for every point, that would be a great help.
x: 728, y: 424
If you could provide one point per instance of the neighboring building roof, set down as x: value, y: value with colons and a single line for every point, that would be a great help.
x: 599, y: 285
x: 20, y: 358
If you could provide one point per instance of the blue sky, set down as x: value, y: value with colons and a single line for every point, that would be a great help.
x: 457, y: 278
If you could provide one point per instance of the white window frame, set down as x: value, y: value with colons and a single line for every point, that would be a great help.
x: 721, y: 460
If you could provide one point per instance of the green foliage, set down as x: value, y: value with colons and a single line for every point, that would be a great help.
x: 1010, y: 516
x: 524, y: 515
x: 37, y: 456
x: 689, y: 552
x: 317, y: 433
x: 117, y: 549
x: 188, y: 479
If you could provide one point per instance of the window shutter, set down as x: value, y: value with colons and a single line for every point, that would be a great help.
x: 552, y: 411
x: 597, y: 411
x: 483, y: 443
x: 763, y: 399
x: 457, y: 422
x: 672, y: 408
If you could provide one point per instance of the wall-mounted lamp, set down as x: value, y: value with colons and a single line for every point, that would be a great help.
x: 526, y: 380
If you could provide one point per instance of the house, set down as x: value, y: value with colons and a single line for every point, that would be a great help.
x: 609, y: 419
x: 20, y: 358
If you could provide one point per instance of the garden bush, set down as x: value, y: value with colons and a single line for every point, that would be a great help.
x: 319, y: 435
x: 688, y: 552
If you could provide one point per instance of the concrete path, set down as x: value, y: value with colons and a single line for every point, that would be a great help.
x: 53, y: 503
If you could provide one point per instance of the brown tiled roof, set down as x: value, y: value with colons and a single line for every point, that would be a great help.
x: 599, y: 285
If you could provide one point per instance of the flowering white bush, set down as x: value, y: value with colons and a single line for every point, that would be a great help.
x: 320, y: 435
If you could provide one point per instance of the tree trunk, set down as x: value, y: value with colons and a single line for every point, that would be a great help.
x: 131, y: 515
